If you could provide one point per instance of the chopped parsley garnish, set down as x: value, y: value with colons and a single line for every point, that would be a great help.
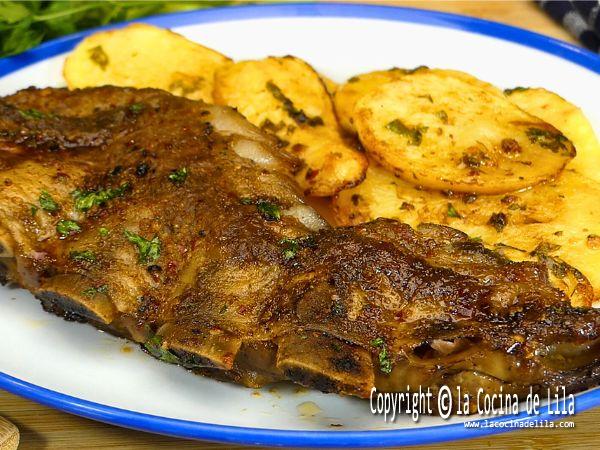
x: 67, y: 227
x: 91, y: 291
x: 84, y: 201
x: 149, y: 250
x: 32, y: 113
x: 99, y: 56
x: 269, y: 211
x: 103, y: 231
x: 414, y: 134
x: 298, y: 115
x: 452, y: 212
x: 246, y: 201
x: 47, y: 202
x: 83, y: 255
x: 291, y: 247
x: 33, y: 209
x: 385, y: 364
x: 554, y: 141
x: 154, y: 346
x: 178, y: 176
x: 136, y: 108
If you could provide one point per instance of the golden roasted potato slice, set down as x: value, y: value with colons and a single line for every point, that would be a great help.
x: 568, y: 118
x: 141, y: 56
x: 288, y: 98
x: 447, y: 130
x: 355, y: 88
x: 557, y: 223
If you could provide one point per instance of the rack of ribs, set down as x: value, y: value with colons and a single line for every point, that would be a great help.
x: 176, y: 224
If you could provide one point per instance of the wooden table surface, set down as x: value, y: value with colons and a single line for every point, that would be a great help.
x: 46, y: 428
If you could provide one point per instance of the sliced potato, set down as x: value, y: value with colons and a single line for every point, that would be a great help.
x: 287, y: 97
x: 568, y: 118
x: 356, y: 87
x: 562, y: 217
x: 447, y: 130
x: 140, y: 56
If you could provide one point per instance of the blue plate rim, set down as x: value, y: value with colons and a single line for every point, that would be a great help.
x: 275, y: 437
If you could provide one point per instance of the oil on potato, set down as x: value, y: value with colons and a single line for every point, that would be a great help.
x: 556, y: 222
x: 287, y: 97
x: 448, y: 130
x: 355, y: 88
x: 568, y: 118
x: 140, y: 56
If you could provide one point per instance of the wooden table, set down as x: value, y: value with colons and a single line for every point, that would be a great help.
x: 46, y: 428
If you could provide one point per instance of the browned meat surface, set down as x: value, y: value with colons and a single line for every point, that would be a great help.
x: 174, y: 223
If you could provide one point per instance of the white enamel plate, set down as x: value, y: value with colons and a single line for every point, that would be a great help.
x: 78, y: 369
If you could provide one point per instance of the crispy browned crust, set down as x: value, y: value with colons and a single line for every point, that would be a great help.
x: 340, y: 310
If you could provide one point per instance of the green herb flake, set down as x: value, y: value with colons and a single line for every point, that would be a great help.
x: 452, y: 212
x: 154, y: 346
x: 246, y: 201
x: 47, y: 202
x: 84, y: 201
x: 291, y: 248
x: 552, y: 140
x: 269, y: 211
x: 298, y: 115
x: 91, y: 291
x: 149, y: 250
x: 385, y: 364
x: 443, y: 116
x: 103, y: 231
x: 178, y: 176
x: 136, y: 108
x: 83, y: 255
x: 99, y: 56
x: 515, y: 89
x: 33, y: 209
x: 31, y: 113
x: 67, y: 227
x: 414, y: 134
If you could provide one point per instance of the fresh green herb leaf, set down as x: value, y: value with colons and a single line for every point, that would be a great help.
x: 32, y: 114
x: 414, y: 134
x: 103, y: 231
x: 452, y: 212
x: 298, y: 115
x: 67, y: 227
x: 33, y: 209
x: 246, y: 201
x: 83, y: 255
x: 99, y: 56
x: 47, y: 202
x: 269, y: 211
x: 154, y: 346
x: 178, y: 176
x: 84, y: 201
x: 25, y: 24
x: 148, y: 250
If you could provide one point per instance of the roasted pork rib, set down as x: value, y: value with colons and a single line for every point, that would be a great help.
x: 175, y: 224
